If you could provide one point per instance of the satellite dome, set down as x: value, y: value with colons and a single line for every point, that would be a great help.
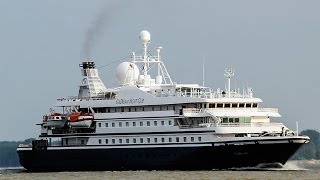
x: 144, y: 36
x: 127, y: 73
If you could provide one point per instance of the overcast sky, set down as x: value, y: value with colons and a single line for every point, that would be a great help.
x: 273, y: 45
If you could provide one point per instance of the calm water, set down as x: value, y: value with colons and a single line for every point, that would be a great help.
x: 292, y: 170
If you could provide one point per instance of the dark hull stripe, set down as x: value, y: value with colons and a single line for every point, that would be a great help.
x: 170, y: 158
x: 220, y: 143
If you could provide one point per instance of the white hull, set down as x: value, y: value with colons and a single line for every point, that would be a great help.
x: 82, y: 123
x: 55, y: 123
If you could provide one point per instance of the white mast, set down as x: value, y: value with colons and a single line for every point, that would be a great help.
x: 228, y: 74
x: 145, y: 38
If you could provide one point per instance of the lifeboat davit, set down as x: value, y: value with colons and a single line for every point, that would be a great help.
x: 56, y: 120
x: 80, y: 120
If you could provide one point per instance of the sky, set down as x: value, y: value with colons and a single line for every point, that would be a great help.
x: 272, y: 45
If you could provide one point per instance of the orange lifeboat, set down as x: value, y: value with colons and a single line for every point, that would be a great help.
x: 77, y: 119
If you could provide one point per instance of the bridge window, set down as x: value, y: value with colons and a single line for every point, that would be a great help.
x: 234, y: 105
x: 241, y: 105
x: 226, y: 105
x: 255, y: 105
x: 248, y: 105
x: 219, y: 105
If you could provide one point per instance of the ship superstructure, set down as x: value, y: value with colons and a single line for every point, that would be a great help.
x: 150, y: 122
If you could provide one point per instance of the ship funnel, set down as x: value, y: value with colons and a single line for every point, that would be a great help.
x: 91, y: 84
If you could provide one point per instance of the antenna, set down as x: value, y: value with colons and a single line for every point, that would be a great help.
x: 228, y: 74
x: 145, y: 38
x: 203, y: 71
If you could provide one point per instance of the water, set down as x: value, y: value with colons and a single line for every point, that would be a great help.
x: 292, y: 170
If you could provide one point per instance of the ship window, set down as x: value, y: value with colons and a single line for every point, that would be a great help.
x: 99, y: 124
x: 134, y: 140
x: 127, y: 140
x: 236, y: 120
x: 160, y: 108
x: 152, y: 108
x: 148, y: 139
x: 113, y: 125
x: 122, y: 109
x: 225, y: 120
x: 248, y: 105
x: 148, y: 123
x: 169, y: 122
x: 211, y: 105
x: 142, y: 108
x: 108, y: 110
x: 162, y: 139
x: 192, y: 139
x: 113, y: 141
x: 226, y: 105
x: 135, y: 108
x: 106, y: 141
x: 254, y: 105
x: 170, y: 139
x: 199, y: 138
x: 127, y: 123
x: 129, y: 109
x: 234, y: 105
x: 99, y: 141
x: 82, y: 141
x: 106, y: 124
x: 241, y: 105
x: 155, y: 123
x: 177, y: 139
x: 133, y: 123
x: 120, y: 141
x: 174, y: 108
x: 167, y: 107
x: 219, y: 105
x: 141, y: 140
x: 231, y: 120
x: 155, y: 140
x: 162, y: 123
x: 120, y: 124
x: 141, y: 123
x: 185, y: 139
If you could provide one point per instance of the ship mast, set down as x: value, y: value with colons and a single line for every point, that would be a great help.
x: 228, y: 74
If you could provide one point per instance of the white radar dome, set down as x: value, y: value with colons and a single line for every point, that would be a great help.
x: 144, y: 36
x: 127, y: 73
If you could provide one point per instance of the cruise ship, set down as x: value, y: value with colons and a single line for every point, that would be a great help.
x: 150, y: 122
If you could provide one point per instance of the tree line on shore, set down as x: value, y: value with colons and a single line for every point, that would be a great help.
x: 9, y: 156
